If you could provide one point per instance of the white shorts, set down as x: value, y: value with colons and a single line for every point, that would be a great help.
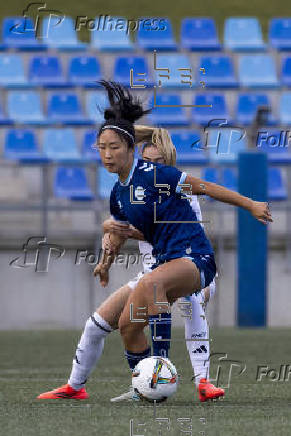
x: 132, y: 283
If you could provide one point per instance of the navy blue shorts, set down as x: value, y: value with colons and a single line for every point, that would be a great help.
x: 207, y: 267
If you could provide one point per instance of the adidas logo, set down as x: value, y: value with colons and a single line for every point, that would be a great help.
x: 201, y: 349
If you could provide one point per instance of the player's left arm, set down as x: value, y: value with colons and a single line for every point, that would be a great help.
x: 259, y: 209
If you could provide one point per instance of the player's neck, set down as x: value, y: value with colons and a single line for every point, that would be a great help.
x: 126, y: 169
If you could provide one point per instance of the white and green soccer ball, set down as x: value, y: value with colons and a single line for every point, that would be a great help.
x: 155, y: 379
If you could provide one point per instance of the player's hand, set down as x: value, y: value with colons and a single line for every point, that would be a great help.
x: 113, y: 226
x: 135, y: 233
x: 103, y: 273
x: 260, y: 210
x: 107, y: 243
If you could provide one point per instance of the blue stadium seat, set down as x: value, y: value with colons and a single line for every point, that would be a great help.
x: 280, y: 33
x: 189, y: 148
x: 46, y: 71
x: 88, y: 142
x: 285, y: 108
x: 229, y: 179
x: 247, y: 106
x: 218, y: 71
x: 226, y: 177
x: 277, y: 187
x: 66, y: 109
x: 257, y: 71
x: 277, y: 190
x: 96, y: 102
x: 111, y: 35
x: 275, y: 143
x: 203, y: 115
x: 71, y: 182
x: 12, y: 71
x: 60, y: 145
x: 84, y: 71
x: 4, y: 120
x: 25, y: 107
x: 123, y: 65
x: 22, y: 145
x: 209, y: 174
x: 105, y: 182
x: 174, y: 62
x: 243, y: 34
x: 171, y: 115
x: 286, y: 71
x: 199, y: 34
x: 19, y: 33
x: 156, y: 34
x: 223, y: 144
x: 61, y: 35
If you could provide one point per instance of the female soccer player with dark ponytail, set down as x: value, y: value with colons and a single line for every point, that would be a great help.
x: 149, y: 197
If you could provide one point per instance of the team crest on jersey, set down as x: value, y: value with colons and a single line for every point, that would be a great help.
x: 139, y: 193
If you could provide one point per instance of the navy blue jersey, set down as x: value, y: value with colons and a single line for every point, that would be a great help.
x: 151, y: 200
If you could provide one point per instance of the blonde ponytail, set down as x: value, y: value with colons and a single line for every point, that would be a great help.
x: 160, y: 138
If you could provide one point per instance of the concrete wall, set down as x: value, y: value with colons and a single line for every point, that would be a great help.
x: 64, y: 296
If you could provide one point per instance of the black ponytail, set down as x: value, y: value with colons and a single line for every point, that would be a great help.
x: 124, y: 110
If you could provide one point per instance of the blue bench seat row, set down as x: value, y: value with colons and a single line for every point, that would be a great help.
x: 193, y: 148
x: 167, y: 109
x: 112, y: 33
x: 216, y: 71
x: 27, y: 107
x: 72, y: 182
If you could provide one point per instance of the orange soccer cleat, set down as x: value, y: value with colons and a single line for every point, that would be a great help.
x: 207, y: 391
x: 65, y: 392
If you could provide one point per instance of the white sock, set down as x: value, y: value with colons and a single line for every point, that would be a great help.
x: 212, y: 289
x: 89, y: 350
x: 197, y: 328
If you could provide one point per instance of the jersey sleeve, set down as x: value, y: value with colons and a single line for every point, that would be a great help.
x: 171, y: 176
x: 115, y: 209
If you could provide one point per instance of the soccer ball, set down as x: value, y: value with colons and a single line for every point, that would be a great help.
x: 155, y: 379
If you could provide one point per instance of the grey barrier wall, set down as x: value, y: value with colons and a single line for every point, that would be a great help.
x: 65, y: 296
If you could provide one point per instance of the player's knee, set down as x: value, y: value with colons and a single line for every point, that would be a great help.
x: 126, y: 328
x: 153, y: 291
x: 123, y: 323
x: 148, y: 287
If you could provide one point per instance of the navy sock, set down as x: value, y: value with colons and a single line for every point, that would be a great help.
x: 134, y: 358
x: 161, y: 329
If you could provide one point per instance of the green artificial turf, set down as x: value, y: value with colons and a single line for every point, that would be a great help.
x: 34, y: 362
